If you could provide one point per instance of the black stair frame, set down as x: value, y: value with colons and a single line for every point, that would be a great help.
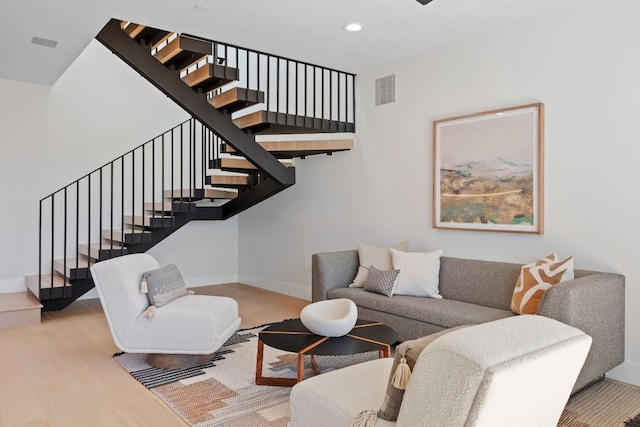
x: 169, y: 82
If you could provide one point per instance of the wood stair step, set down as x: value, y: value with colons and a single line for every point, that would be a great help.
x: 74, y: 270
x: 239, y: 164
x: 210, y: 77
x: 128, y: 236
x: 95, y: 252
x: 183, y: 51
x: 270, y: 122
x: 151, y: 36
x: 159, y: 221
x: 299, y: 148
x: 59, y: 288
x: 220, y: 193
x: 19, y: 309
x: 233, y: 181
x: 184, y: 193
x: 236, y: 99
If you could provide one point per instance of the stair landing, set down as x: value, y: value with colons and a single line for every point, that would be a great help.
x: 19, y: 309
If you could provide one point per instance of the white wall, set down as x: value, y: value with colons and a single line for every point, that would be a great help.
x: 98, y: 110
x: 583, y: 63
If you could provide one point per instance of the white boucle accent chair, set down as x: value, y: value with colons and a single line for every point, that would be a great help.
x: 195, y: 325
x: 517, y: 371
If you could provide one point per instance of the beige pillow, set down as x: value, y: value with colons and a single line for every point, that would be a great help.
x: 535, y: 279
x: 375, y: 256
x: 419, y: 273
x: 410, y: 351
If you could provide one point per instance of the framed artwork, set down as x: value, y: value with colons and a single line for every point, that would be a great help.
x: 488, y: 171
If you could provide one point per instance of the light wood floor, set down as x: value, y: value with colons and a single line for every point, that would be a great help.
x: 62, y: 373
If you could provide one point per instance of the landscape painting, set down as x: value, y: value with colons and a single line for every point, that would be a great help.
x: 488, y: 171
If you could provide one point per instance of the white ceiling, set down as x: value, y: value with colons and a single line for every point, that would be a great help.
x: 301, y: 29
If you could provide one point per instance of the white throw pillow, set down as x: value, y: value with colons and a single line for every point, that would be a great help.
x: 380, y: 258
x: 419, y: 273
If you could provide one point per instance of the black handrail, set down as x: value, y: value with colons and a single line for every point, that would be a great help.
x: 123, y: 180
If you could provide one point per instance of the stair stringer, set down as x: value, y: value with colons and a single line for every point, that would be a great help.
x: 169, y: 82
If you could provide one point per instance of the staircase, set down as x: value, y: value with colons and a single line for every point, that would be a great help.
x: 210, y: 167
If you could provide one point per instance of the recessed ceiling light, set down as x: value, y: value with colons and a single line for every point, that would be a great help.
x: 353, y: 27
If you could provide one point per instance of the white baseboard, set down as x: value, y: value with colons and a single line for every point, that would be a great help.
x: 628, y: 372
x: 192, y: 282
x: 12, y: 285
x: 290, y: 289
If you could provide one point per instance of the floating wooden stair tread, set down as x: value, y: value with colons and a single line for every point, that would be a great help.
x: 19, y: 309
x: 210, y: 77
x: 59, y: 288
x: 240, y: 164
x: 74, y: 270
x: 184, y: 193
x: 128, y: 236
x: 158, y: 221
x: 151, y: 36
x: 220, y: 193
x: 236, y: 99
x: 228, y: 180
x: 183, y: 51
x: 269, y: 122
x: 95, y: 252
x: 163, y: 206
x: 300, y: 148
x: 32, y: 282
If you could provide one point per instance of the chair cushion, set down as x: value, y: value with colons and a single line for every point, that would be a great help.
x: 336, y: 398
x: 194, y: 322
x: 164, y: 285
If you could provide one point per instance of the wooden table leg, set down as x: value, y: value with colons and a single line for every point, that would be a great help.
x: 300, y: 366
x: 314, y: 364
x: 384, y: 352
x: 260, y: 380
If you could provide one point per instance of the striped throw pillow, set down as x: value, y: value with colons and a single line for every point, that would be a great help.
x: 535, y: 279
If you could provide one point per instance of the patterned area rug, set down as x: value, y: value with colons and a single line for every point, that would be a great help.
x: 223, y: 392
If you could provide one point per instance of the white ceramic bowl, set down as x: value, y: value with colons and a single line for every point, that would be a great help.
x: 330, y: 318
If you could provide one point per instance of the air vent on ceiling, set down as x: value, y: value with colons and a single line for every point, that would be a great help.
x: 39, y: 41
x: 386, y: 90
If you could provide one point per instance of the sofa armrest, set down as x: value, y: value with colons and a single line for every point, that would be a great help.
x: 330, y: 270
x: 594, y: 304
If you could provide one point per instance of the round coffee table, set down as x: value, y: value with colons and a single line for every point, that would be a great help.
x: 292, y: 336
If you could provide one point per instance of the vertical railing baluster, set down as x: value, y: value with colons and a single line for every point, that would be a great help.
x: 153, y: 179
x: 306, y: 89
x: 53, y: 232
x: 143, y: 189
x: 286, y: 88
x: 112, y: 212
x: 100, y: 220
x: 133, y: 194
x: 172, y: 160
x: 330, y: 95
x: 338, y: 100
x: 248, y: 73
x: 122, y: 229
x: 64, y: 239
x: 89, y: 219
x: 296, y: 104
x: 267, y: 98
x: 314, y: 92
x: 40, y: 250
x: 323, y: 96
x: 77, y: 222
x: 353, y: 101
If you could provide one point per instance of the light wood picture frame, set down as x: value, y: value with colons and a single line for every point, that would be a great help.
x: 488, y: 171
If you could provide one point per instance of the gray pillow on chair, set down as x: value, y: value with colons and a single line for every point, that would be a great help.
x: 163, y: 285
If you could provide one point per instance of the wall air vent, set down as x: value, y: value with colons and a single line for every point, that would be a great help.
x: 39, y: 41
x: 386, y: 90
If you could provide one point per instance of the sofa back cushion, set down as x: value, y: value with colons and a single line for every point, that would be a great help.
x: 486, y: 283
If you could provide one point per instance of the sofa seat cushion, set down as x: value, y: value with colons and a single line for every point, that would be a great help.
x: 440, y: 312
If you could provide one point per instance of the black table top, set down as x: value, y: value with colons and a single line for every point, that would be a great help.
x: 291, y: 335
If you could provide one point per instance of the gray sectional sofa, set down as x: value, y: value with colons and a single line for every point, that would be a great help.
x: 475, y: 292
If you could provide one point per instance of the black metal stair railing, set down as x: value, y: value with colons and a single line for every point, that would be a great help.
x: 78, y: 221
x: 290, y: 86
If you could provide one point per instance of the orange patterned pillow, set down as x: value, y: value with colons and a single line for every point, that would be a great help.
x: 534, y: 281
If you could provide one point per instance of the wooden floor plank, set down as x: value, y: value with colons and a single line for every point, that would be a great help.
x: 62, y: 373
